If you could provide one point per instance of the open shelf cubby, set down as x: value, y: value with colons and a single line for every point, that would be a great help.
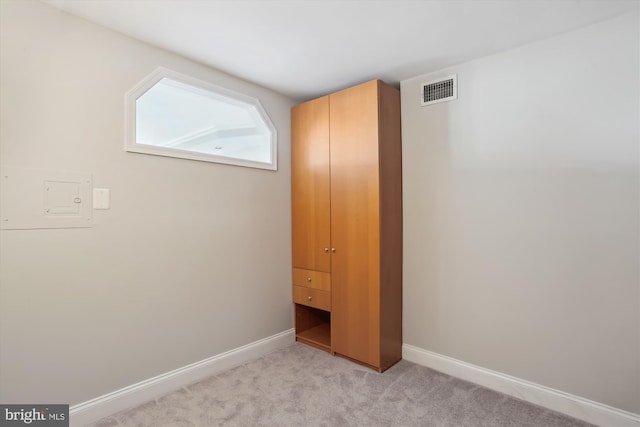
x: 313, y: 327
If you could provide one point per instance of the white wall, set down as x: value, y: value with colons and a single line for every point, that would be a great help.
x: 521, y: 214
x: 193, y: 259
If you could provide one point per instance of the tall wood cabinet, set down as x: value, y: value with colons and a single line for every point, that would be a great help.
x: 347, y: 223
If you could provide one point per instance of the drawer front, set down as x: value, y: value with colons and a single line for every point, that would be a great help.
x: 312, y: 279
x: 312, y: 297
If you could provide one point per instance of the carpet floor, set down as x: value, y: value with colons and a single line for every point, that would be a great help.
x: 302, y: 386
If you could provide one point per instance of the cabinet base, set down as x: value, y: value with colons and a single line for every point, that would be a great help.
x: 380, y: 369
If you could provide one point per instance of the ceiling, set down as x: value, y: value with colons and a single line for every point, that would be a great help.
x: 307, y: 48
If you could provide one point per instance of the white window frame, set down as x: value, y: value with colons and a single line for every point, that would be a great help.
x: 161, y: 73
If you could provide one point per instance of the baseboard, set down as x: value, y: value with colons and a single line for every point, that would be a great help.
x: 144, y: 391
x: 574, y: 406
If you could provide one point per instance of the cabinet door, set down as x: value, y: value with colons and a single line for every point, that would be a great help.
x: 355, y: 231
x: 310, y: 203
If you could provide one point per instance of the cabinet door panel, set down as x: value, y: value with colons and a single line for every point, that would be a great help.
x: 355, y: 227
x: 310, y: 185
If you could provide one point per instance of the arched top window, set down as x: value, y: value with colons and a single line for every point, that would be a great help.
x: 170, y: 114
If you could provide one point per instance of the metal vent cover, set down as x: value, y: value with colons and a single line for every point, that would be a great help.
x: 443, y: 89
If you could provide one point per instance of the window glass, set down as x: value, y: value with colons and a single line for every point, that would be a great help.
x: 177, y: 116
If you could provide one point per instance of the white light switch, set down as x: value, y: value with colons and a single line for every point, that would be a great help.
x: 101, y: 198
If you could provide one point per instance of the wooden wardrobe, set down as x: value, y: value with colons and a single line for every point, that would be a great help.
x: 347, y: 223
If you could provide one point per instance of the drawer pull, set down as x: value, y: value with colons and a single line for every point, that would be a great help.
x: 309, y: 297
x: 308, y: 279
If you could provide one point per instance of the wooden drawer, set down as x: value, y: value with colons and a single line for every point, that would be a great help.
x: 312, y: 297
x: 312, y: 279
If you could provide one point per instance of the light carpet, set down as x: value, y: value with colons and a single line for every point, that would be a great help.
x: 302, y: 386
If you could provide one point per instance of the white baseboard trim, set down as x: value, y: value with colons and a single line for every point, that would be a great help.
x: 569, y: 404
x: 144, y: 391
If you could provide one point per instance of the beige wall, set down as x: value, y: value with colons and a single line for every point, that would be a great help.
x: 192, y: 259
x: 521, y: 210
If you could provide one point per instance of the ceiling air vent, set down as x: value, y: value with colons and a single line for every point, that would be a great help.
x: 440, y: 90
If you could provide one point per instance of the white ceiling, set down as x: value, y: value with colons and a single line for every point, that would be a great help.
x: 307, y: 48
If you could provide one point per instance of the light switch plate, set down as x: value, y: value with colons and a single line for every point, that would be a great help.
x: 101, y: 198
